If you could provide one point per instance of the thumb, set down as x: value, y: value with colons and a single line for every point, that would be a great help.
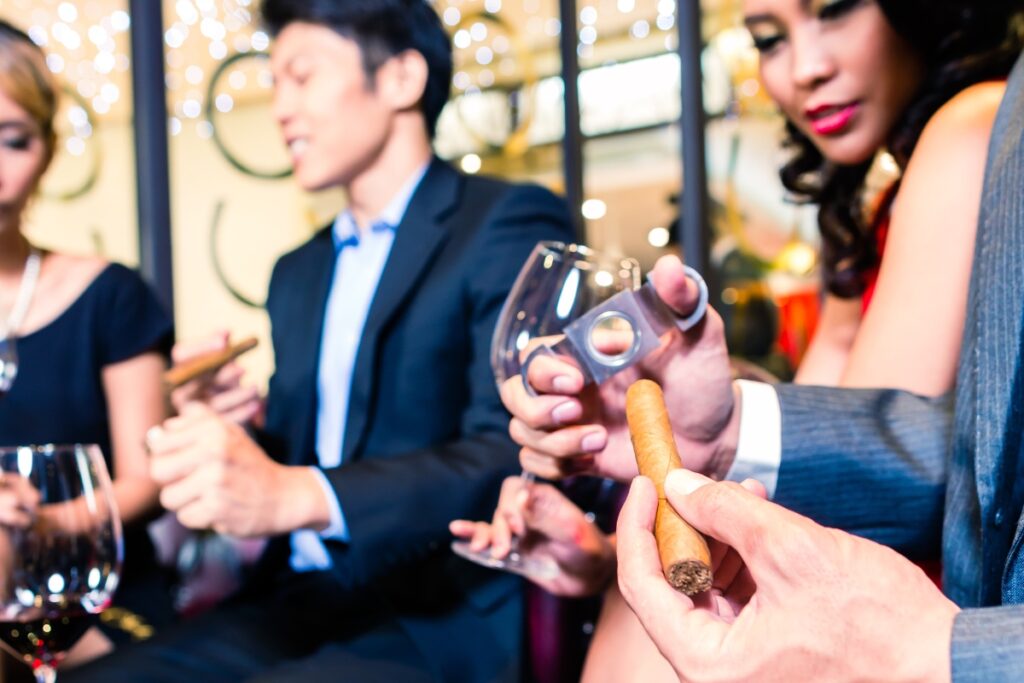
x: 732, y: 514
x: 673, y: 287
x: 195, y: 410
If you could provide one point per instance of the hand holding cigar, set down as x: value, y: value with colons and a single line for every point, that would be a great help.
x: 207, y: 363
x: 685, y: 557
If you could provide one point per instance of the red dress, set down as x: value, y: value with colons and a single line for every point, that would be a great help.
x: 933, y: 568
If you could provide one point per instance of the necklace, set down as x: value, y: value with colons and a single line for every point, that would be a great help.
x: 29, y: 279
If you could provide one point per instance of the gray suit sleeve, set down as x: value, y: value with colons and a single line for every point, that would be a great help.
x: 871, y: 462
x: 988, y: 645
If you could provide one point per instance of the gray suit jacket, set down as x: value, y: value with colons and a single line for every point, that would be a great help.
x: 923, y: 474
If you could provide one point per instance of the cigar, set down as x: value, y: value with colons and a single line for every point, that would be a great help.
x: 209, y: 362
x: 685, y: 557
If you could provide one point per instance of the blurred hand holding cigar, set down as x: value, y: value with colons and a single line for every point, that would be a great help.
x: 685, y: 557
x: 209, y: 362
x: 205, y: 371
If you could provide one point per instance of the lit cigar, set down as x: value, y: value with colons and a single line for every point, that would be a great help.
x: 684, y: 553
x: 209, y: 362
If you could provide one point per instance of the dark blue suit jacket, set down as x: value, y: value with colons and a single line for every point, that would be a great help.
x: 426, y: 438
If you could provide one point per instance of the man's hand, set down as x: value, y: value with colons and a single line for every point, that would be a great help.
x: 549, y: 526
x: 215, y: 477
x: 19, y: 501
x: 569, y: 429
x: 222, y: 390
x: 792, y: 600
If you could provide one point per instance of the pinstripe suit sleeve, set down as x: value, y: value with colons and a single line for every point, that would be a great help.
x: 871, y: 462
x: 988, y: 645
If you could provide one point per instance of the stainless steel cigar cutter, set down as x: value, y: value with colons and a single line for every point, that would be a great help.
x: 619, y: 332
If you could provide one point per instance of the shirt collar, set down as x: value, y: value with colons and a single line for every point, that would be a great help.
x: 345, y: 232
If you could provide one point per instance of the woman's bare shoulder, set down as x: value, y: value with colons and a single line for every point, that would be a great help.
x: 970, y: 112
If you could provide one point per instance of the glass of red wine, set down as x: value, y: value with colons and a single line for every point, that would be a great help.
x: 60, y: 550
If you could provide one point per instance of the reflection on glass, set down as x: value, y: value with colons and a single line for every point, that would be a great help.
x: 60, y: 550
x: 558, y: 284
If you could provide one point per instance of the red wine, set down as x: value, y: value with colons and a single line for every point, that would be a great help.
x: 46, y: 640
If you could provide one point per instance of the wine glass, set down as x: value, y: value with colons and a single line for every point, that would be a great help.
x: 60, y: 550
x: 557, y: 284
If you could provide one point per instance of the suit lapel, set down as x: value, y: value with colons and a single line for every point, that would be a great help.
x: 418, y: 237
x: 312, y: 287
x: 998, y: 301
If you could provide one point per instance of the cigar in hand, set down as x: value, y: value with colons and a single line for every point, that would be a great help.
x: 206, y: 363
x: 685, y: 557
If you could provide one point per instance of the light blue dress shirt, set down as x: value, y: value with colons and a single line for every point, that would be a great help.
x: 361, y: 256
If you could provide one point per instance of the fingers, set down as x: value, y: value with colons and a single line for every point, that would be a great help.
x: 477, y: 533
x: 612, y: 342
x: 222, y: 391
x: 673, y: 287
x: 514, y: 494
x: 549, y: 512
x: 547, y: 375
x: 235, y: 403
x: 755, y: 487
x: 193, y: 348
x: 184, y: 443
x: 540, y: 412
x: 565, y: 442
x: 12, y: 512
x: 553, y: 467
x: 732, y: 514
x: 669, y: 616
x: 203, y: 479
x: 196, y: 515
x: 726, y: 564
x: 19, y: 501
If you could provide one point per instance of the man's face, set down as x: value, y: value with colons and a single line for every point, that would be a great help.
x: 331, y: 115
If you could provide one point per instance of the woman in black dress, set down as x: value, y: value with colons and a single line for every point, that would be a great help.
x: 91, y: 340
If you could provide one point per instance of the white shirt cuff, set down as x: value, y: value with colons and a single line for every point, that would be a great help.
x: 759, y: 449
x: 338, y: 529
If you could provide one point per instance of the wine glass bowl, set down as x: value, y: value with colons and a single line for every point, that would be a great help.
x: 60, y: 549
x: 557, y: 285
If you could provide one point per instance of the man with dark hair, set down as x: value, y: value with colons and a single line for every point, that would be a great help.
x: 383, y: 419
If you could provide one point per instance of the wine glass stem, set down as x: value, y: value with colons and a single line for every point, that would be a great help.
x: 45, y: 674
x: 528, y: 480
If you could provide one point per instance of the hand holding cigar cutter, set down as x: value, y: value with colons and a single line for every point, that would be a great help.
x: 619, y: 332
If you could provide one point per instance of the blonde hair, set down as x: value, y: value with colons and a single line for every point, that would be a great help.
x: 26, y: 79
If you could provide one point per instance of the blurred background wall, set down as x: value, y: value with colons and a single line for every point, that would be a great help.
x: 234, y: 209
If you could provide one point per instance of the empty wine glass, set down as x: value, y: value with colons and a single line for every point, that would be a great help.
x: 557, y: 284
x: 60, y: 550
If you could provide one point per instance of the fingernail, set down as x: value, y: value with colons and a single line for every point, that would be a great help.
x: 563, y: 383
x: 685, y: 481
x: 153, y: 434
x: 593, y: 442
x: 566, y: 412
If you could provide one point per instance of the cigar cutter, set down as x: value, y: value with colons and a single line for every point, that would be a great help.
x: 619, y: 332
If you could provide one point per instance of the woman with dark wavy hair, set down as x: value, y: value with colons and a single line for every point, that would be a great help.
x: 919, y: 79
x: 922, y: 81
